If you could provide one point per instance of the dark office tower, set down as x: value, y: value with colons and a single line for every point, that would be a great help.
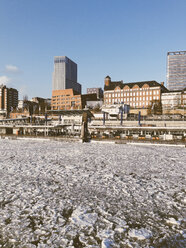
x: 176, y: 70
x: 65, y: 74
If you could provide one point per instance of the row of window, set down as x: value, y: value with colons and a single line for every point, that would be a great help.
x: 140, y: 104
x: 126, y: 88
x: 132, y: 99
x: 61, y: 103
x: 155, y: 92
x: 67, y: 99
x: 62, y: 96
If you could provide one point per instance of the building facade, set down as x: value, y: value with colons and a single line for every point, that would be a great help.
x: 174, y: 102
x: 176, y: 70
x: 44, y: 104
x: 137, y: 95
x: 8, y: 99
x: 65, y: 74
x: 97, y: 91
x: 69, y: 99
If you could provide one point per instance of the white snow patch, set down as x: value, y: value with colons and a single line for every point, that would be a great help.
x: 172, y: 221
x: 107, y: 243
x: 140, y: 234
x: 82, y: 217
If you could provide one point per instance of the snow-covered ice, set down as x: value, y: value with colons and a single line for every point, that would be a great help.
x: 60, y: 194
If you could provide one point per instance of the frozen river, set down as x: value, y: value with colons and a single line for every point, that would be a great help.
x: 58, y: 194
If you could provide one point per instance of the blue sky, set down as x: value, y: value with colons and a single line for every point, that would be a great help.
x: 126, y: 39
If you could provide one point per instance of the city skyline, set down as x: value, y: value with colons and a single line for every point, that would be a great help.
x: 128, y: 41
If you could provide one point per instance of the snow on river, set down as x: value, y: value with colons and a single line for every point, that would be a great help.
x: 59, y: 194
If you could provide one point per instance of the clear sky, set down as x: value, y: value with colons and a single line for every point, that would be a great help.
x: 125, y: 39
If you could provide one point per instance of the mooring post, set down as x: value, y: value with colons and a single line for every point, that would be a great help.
x: 103, y: 118
x: 139, y: 118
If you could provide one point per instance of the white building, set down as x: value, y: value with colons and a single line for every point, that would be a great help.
x: 171, y: 100
x: 174, y: 101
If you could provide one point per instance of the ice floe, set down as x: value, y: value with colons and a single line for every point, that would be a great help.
x: 60, y: 194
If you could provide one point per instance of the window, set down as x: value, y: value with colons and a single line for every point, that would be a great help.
x: 150, y: 92
x: 140, y: 93
x: 147, y: 98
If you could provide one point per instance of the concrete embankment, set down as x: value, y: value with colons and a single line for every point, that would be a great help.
x: 140, y: 142
x: 41, y: 138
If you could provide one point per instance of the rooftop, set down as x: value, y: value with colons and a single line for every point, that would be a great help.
x: 114, y: 84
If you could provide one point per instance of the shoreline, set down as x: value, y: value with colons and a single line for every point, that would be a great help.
x: 98, y: 140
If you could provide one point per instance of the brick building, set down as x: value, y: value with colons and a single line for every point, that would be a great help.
x: 70, y: 99
x: 137, y: 95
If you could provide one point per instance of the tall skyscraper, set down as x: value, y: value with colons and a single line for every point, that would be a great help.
x: 176, y: 70
x: 65, y: 74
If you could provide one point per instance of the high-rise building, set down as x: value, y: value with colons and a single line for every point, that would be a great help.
x: 176, y: 70
x: 65, y: 74
x: 8, y: 99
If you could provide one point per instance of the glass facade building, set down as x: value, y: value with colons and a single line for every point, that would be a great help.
x: 65, y: 74
x: 176, y: 70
